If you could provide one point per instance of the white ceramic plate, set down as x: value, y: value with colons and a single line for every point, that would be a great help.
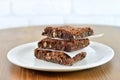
x: 23, y: 56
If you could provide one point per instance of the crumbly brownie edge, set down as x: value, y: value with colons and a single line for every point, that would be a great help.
x: 58, y: 57
x: 67, y: 32
x: 63, y: 45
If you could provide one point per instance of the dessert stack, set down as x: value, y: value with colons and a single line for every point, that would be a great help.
x: 63, y: 44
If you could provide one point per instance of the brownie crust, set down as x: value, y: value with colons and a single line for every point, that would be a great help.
x: 58, y: 57
x: 67, y: 32
x: 63, y: 45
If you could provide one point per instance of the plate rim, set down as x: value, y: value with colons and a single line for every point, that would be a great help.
x: 66, y: 69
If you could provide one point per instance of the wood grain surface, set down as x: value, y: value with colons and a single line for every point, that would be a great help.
x: 10, y: 38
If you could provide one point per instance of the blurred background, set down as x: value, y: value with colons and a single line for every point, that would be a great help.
x: 17, y: 13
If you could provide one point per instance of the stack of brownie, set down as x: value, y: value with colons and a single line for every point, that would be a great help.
x: 61, y: 42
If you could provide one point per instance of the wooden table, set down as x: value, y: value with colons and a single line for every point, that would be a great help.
x: 10, y: 38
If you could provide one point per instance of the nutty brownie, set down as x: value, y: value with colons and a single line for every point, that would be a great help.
x: 63, y: 45
x: 67, y: 32
x: 58, y: 57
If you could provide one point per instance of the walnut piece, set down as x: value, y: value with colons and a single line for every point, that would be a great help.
x: 45, y: 44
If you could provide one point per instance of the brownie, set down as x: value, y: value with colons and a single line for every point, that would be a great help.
x: 58, y: 57
x: 67, y: 32
x: 63, y: 45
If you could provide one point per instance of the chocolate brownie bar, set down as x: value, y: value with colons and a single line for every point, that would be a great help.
x: 67, y: 32
x: 58, y: 57
x: 63, y: 45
